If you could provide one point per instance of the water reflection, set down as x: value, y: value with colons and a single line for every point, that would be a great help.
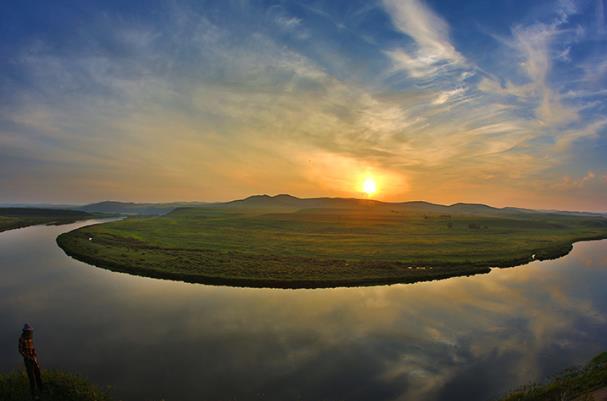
x: 459, y: 339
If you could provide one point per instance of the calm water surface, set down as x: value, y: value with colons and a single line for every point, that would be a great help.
x: 469, y: 338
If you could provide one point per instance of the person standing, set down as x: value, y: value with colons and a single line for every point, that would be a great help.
x: 30, y: 358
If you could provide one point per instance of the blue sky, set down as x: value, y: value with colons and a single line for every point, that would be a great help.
x: 500, y: 102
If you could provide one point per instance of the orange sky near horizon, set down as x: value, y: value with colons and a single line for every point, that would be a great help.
x: 215, y: 102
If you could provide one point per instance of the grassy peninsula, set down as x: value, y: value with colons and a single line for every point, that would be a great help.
x: 270, y: 242
x: 11, y: 218
x: 59, y: 386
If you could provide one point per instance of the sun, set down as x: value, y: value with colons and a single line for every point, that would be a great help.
x: 369, y: 186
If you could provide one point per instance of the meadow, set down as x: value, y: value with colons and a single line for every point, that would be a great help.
x: 322, y: 247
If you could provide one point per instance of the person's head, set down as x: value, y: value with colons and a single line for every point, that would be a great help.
x: 28, y: 331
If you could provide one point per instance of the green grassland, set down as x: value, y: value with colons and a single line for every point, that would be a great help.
x: 572, y: 384
x: 11, y: 218
x: 325, y: 247
x: 59, y: 386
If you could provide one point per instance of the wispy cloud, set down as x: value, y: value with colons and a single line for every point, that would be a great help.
x: 445, y: 96
x: 180, y: 108
x: 288, y: 22
x: 536, y: 47
x: 569, y: 183
x: 534, y: 43
x: 432, y: 49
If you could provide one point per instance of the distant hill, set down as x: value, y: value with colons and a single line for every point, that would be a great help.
x: 288, y: 203
x: 285, y: 203
x: 475, y: 208
x: 130, y: 208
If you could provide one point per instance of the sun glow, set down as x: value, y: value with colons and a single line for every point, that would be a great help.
x: 369, y: 186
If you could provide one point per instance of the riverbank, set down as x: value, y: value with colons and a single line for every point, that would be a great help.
x: 324, y: 248
x: 13, y: 218
x: 573, y: 384
x: 59, y: 386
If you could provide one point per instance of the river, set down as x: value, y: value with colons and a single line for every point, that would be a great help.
x: 466, y: 338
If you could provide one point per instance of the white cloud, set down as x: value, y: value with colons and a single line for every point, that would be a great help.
x: 568, y: 183
x: 590, y: 131
x: 537, y: 46
x: 445, y: 96
x: 430, y: 33
x: 595, y: 70
x: 288, y: 22
x: 534, y: 44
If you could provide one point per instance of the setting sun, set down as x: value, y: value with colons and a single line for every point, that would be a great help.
x: 274, y: 165
x: 369, y: 186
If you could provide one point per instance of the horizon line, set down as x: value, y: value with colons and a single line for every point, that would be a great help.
x: 81, y: 204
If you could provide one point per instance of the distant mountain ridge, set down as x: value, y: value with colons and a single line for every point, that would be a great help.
x: 131, y: 208
x: 289, y: 202
x: 286, y: 203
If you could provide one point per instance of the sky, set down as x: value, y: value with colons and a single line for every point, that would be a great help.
x: 500, y: 102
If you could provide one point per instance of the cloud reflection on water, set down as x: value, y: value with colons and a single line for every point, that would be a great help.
x: 469, y: 338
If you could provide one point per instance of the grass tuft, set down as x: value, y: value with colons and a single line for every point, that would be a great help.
x: 59, y: 386
x: 575, y: 383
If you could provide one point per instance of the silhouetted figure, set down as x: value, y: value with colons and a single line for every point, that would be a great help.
x: 27, y: 350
